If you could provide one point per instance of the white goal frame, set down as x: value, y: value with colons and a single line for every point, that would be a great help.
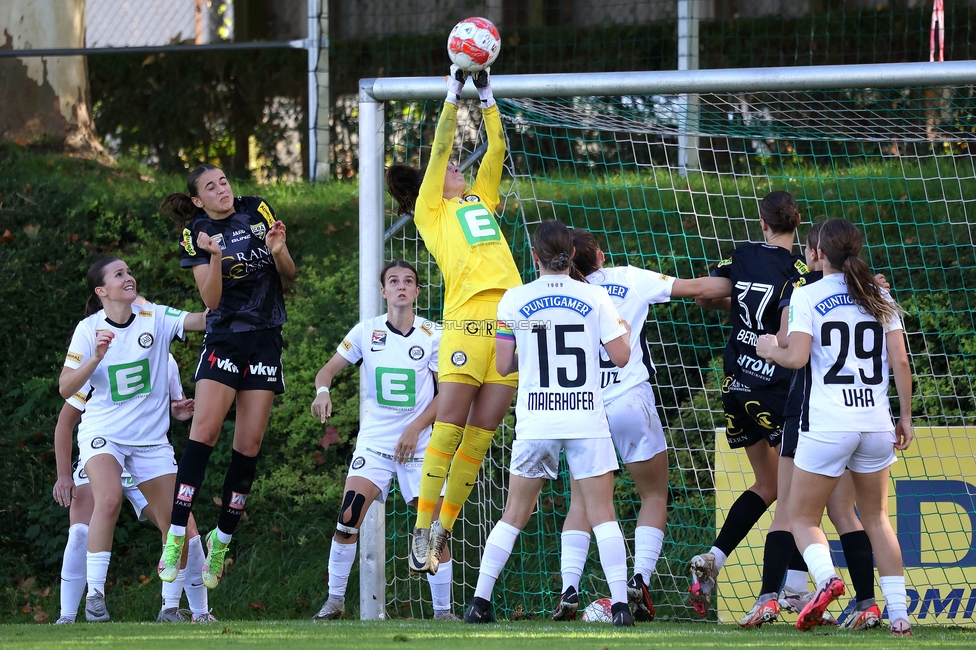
x: 687, y: 83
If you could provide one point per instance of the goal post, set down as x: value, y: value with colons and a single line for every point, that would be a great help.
x: 888, y: 146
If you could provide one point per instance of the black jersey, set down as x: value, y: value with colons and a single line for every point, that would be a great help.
x: 251, y: 297
x: 800, y: 382
x: 758, y: 273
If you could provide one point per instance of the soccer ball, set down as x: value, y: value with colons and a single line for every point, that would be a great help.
x: 473, y: 44
x: 599, y: 611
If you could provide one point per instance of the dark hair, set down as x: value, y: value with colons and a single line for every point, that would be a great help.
x: 585, y: 259
x: 178, y: 206
x: 96, y: 278
x: 393, y: 264
x: 403, y: 183
x: 813, y: 235
x: 779, y: 211
x: 841, y: 242
x: 554, y: 246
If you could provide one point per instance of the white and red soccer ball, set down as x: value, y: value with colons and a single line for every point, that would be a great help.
x: 474, y: 44
x: 599, y: 611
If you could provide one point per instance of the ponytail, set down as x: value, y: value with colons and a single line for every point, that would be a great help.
x: 554, y: 246
x: 587, y: 248
x: 179, y: 206
x: 403, y: 183
x: 95, y: 277
x: 841, y: 244
x: 780, y: 212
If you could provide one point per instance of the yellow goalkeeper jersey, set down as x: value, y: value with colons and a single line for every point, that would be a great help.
x: 462, y: 233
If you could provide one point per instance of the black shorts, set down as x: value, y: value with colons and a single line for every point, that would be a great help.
x: 791, y: 437
x: 243, y: 360
x: 751, y: 416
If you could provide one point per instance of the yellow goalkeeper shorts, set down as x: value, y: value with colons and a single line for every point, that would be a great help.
x: 467, y: 348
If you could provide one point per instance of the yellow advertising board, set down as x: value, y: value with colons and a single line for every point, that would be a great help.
x: 932, y: 503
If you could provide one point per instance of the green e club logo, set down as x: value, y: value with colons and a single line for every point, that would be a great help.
x: 396, y: 387
x: 129, y: 379
x: 478, y: 224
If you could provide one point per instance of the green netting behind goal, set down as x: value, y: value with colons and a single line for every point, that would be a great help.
x: 896, y: 162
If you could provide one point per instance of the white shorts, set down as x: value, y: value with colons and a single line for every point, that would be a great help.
x: 635, y: 426
x: 129, y: 488
x: 829, y: 453
x: 143, y: 462
x: 586, y: 457
x: 379, y: 469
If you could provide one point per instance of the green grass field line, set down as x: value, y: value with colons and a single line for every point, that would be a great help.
x: 534, y: 635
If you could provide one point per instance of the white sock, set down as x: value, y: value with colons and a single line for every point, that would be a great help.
x: 178, y: 531
x: 223, y: 537
x: 196, y: 592
x: 613, y: 557
x: 498, y: 548
x: 73, y: 570
x: 572, y: 558
x: 647, y: 549
x: 440, y: 586
x: 896, y: 600
x: 341, y: 559
x: 817, y: 557
x: 172, y: 591
x: 720, y: 557
x: 797, y: 580
x: 97, y: 564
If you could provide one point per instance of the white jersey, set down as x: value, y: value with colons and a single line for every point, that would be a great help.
x: 848, y: 359
x: 558, y: 325
x: 631, y: 290
x: 399, y: 380
x: 130, y: 393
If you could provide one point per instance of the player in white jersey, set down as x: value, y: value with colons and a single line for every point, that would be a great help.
x: 634, y: 423
x: 72, y: 490
x: 848, y: 328
x: 122, y: 351
x: 551, y: 330
x: 398, y: 353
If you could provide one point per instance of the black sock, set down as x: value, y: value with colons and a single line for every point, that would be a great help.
x: 779, y: 550
x: 860, y: 563
x: 237, y: 485
x: 797, y: 563
x: 189, y: 478
x: 743, y: 515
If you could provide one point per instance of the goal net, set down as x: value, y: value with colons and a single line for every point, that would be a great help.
x: 896, y: 161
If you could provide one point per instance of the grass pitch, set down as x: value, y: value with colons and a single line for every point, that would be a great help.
x: 426, y: 635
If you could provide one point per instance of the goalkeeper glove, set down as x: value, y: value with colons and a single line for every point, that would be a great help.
x: 482, y: 82
x: 455, y: 83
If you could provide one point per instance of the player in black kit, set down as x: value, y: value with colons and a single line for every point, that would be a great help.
x: 236, y: 247
x: 754, y: 391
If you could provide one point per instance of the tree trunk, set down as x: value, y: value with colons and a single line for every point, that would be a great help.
x: 47, y: 98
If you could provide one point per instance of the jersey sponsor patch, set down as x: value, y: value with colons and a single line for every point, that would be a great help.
x: 555, y: 302
x: 259, y: 230
x: 266, y: 213
x: 187, y: 242
x: 378, y: 340
x: 346, y: 345
x: 801, y: 266
x: 145, y: 340
x: 459, y: 358
x: 145, y: 313
x: 616, y: 290
x: 478, y: 224
x: 73, y: 357
x: 427, y: 328
x: 81, y: 397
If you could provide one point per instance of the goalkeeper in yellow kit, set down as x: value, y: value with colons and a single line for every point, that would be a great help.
x: 459, y: 228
